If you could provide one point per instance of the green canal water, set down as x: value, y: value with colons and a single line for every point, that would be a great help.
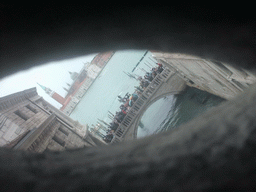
x: 173, y: 110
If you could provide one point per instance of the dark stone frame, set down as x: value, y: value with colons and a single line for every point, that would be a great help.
x: 214, y: 152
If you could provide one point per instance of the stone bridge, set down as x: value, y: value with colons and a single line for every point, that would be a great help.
x: 168, y: 82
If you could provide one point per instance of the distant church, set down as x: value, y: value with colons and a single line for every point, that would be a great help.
x: 81, y: 82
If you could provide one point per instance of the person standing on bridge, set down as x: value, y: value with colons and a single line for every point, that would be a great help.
x: 159, y: 68
x: 113, y: 126
x: 138, y: 88
x: 148, y: 76
x: 144, y: 83
x: 154, y: 72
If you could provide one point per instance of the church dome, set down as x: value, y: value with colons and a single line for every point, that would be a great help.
x: 73, y: 75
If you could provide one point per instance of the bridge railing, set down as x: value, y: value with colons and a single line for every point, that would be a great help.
x: 139, y: 103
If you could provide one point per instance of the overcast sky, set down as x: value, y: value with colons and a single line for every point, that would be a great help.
x: 53, y: 75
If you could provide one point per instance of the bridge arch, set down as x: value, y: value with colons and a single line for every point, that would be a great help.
x: 138, y: 119
x: 166, y: 83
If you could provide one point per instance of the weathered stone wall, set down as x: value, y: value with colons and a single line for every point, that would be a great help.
x: 212, y: 76
x: 72, y: 124
x: 64, y: 139
x: 13, y: 99
x: 43, y: 141
x: 13, y: 124
x: 24, y: 113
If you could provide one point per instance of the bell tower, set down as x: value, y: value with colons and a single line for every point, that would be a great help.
x: 53, y: 94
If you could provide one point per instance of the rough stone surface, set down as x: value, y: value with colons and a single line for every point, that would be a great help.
x: 214, y: 152
x: 35, y: 128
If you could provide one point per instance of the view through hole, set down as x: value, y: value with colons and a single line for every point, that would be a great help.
x: 111, y: 97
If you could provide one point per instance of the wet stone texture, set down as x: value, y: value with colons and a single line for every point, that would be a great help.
x: 214, y: 152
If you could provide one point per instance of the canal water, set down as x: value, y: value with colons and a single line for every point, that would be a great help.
x: 171, y: 111
x: 166, y: 113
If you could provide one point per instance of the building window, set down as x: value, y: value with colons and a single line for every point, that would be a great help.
x: 58, y: 140
x: 21, y: 115
x: 63, y: 131
x: 32, y: 109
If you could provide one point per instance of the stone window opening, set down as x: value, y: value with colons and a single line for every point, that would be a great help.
x: 63, y: 131
x: 58, y: 140
x: 31, y: 108
x: 21, y: 115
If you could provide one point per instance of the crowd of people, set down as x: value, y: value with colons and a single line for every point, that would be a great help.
x: 129, y: 99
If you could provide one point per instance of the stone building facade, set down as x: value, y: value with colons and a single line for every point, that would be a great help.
x: 213, y: 76
x: 28, y: 122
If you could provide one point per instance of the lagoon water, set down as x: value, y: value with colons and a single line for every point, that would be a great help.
x: 112, y: 81
x: 166, y: 113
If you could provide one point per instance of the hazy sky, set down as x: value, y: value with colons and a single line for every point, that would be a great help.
x: 54, y: 75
